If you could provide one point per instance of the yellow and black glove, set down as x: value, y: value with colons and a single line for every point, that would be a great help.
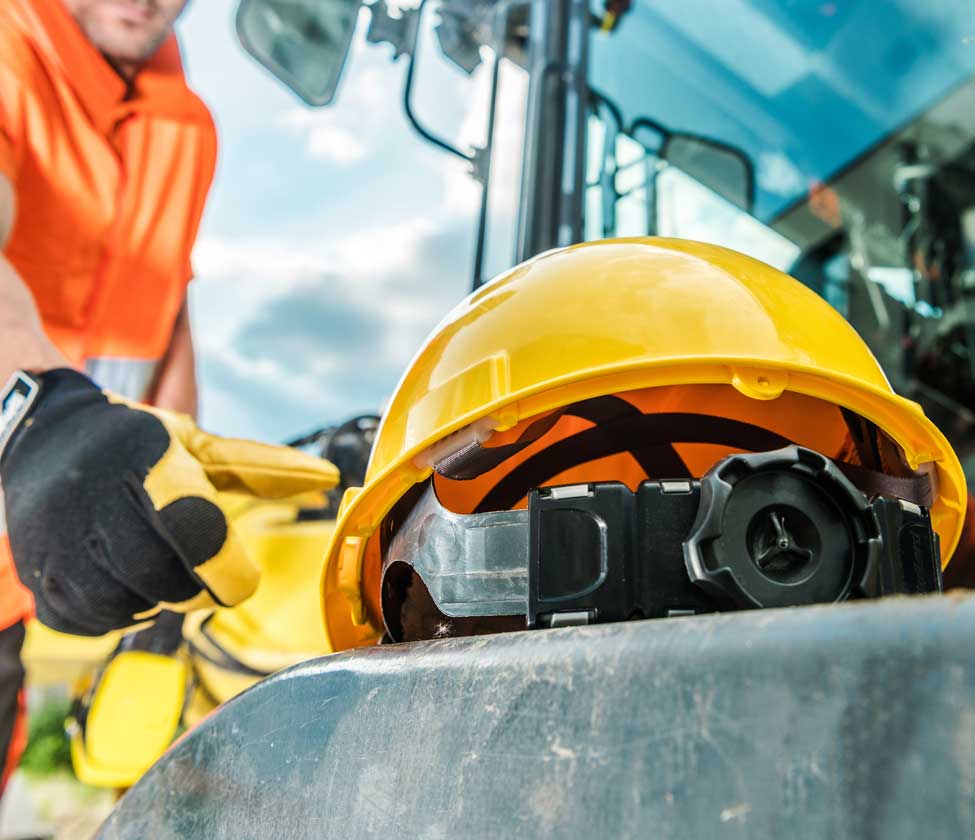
x: 113, y: 508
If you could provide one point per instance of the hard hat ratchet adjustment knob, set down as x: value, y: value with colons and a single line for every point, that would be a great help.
x: 782, y: 528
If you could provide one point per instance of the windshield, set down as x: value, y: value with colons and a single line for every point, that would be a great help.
x: 834, y: 139
x: 803, y: 88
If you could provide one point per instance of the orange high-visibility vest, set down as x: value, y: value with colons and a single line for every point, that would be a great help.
x: 110, y: 181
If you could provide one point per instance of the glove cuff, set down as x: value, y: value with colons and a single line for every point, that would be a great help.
x: 58, y: 382
x: 58, y: 390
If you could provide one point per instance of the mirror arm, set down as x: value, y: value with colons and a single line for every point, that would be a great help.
x: 666, y: 135
x: 653, y: 195
x: 599, y: 99
x: 653, y: 125
x: 653, y: 222
x: 609, y: 168
x: 421, y: 129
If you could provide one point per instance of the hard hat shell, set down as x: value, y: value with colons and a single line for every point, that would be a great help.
x: 607, y: 317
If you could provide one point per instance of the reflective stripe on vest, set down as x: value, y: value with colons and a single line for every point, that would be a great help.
x: 129, y: 378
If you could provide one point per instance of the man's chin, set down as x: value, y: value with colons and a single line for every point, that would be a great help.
x: 130, y: 54
x: 124, y: 44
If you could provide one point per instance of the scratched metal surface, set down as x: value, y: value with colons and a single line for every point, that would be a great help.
x: 843, y: 722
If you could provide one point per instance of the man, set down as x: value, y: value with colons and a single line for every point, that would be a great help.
x: 112, y: 512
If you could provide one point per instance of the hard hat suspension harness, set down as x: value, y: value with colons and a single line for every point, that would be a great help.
x: 774, y: 528
x: 620, y: 427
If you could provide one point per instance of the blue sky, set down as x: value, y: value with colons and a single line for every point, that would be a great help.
x: 333, y: 241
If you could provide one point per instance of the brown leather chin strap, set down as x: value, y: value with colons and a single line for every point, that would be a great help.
x: 916, y: 488
x: 880, y: 468
x: 474, y: 460
x: 620, y: 427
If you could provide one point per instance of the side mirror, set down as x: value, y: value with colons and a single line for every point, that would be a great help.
x: 304, y: 43
x: 723, y: 168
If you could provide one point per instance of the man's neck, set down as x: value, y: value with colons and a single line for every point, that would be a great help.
x: 127, y: 70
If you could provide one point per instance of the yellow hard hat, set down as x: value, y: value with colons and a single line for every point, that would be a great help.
x: 662, y: 323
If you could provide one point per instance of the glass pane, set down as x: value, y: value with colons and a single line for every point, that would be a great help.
x: 802, y: 87
x: 690, y: 210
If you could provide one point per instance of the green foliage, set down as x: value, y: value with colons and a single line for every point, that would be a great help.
x: 48, y: 748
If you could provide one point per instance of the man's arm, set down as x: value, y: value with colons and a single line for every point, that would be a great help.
x: 175, y: 385
x: 113, y: 509
x: 23, y: 344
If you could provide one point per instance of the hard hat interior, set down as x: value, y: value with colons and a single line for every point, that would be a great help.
x: 671, y: 432
x: 656, y: 433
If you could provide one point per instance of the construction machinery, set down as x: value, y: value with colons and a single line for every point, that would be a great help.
x: 808, y: 136
x: 833, y: 140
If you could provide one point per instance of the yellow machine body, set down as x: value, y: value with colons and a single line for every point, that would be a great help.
x: 131, y: 720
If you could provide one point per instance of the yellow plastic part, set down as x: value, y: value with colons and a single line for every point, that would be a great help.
x: 608, y: 317
x: 281, y: 624
x: 53, y: 658
x: 132, y: 719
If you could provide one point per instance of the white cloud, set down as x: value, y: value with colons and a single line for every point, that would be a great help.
x: 318, y: 331
x: 777, y: 174
x: 294, y: 382
x: 351, y: 129
x: 280, y: 263
x: 324, y: 139
x: 217, y: 257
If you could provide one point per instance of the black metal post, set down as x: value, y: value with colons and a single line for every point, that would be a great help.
x: 552, y: 188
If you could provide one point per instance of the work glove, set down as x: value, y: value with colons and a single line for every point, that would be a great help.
x: 113, y: 508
